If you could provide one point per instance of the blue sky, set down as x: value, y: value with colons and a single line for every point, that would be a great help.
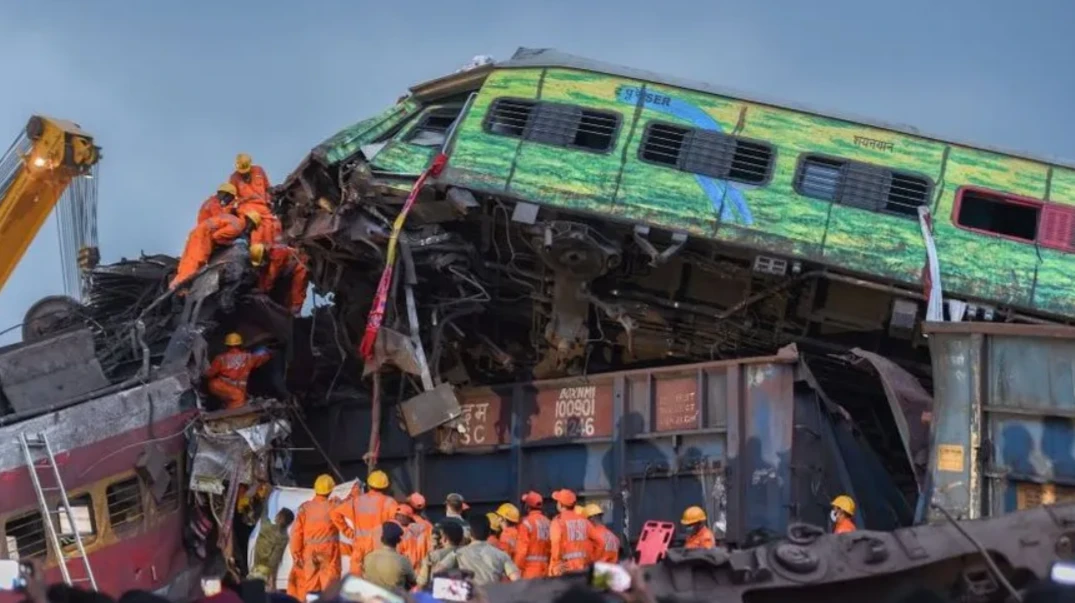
x: 173, y: 90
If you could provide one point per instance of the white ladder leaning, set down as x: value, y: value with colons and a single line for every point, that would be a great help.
x: 40, y: 441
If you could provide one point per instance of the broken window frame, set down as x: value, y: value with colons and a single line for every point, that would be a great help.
x: 724, y: 169
x: 864, y: 175
x: 423, y: 121
x: 36, y: 527
x: 1054, y: 227
x: 118, y: 493
x: 77, y: 501
x: 549, y: 111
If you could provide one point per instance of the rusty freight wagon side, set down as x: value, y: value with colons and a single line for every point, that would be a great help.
x: 750, y: 440
x: 1004, y: 404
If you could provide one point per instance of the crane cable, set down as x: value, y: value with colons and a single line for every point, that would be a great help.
x: 76, y: 225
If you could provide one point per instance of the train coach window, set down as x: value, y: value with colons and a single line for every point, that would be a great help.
x: 862, y: 185
x: 125, y: 510
x: 707, y: 152
x: 998, y: 214
x: 432, y: 129
x: 82, y: 512
x: 556, y: 124
x: 25, y: 536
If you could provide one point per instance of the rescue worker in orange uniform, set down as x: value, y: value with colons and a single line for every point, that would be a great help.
x: 494, y: 529
x: 219, y: 203
x: 408, y: 545
x: 509, y: 531
x: 359, y: 518
x: 229, y: 371
x: 217, y: 231
x: 251, y: 180
x: 699, y: 536
x: 569, y: 536
x: 843, y: 510
x: 422, y: 529
x: 532, y: 548
x: 315, y: 543
x: 604, y: 546
x: 279, y: 264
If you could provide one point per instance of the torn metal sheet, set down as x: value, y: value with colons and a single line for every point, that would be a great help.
x: 217, y: 455
x: 51, y: 371
x: 430, y: 409
x: 911, y: 405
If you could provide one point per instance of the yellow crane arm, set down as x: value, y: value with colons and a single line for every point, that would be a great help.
x: 34, y: 173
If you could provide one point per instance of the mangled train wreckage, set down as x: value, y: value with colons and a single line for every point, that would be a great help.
x: 651, y: 291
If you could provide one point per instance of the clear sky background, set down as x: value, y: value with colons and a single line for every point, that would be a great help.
x: 172, y: 90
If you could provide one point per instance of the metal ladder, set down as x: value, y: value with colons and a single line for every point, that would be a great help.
x: 29, y: 442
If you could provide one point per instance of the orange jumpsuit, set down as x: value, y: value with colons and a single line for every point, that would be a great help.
x: 212, y: 207
x: 366, y: 512
x: 843, y: 525
x: 419, y: 541
x: 702, y: 539
x: 269, y: 231
x: 604, y: 545
x: 221, y: 229
x: 256, y: 189
x: 228, y: 374
x: 570, y: 543
x: 509, y: 539
x: 315, y: 548
x: 286, y: 262
x: 532, y: 546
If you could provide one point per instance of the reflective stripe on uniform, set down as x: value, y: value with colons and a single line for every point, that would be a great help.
x: 537, y: 558
x: 233, y: 382
x: 574, y: 555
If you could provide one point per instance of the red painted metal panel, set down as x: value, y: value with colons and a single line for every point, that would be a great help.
x: 486, y: 418
x: 677, y: 403
x: 1057, y: 227
x: 581, y: 409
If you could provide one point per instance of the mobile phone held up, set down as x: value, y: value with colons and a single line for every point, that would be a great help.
x: 448, y: 589
x: 13, y: 574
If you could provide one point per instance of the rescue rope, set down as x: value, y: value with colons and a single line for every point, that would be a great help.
x: 380, y: 300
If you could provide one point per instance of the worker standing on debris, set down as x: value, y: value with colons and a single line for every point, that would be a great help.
x: 604, y: 545
x: 228, y: 373
x: 315, y: 543
x: 509, y: 532
x: 251, y: 180
x: 421, y: 528
x: 843, y: 510
x: 220, y: 203
x: 569, y: 536
x: 281, y: 264
x: 532, y: 549
x: 217, y: 231
x: 699, y: 536
x: 366, y: 512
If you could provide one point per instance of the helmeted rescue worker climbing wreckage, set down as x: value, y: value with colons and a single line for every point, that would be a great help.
x: 228, y: 373
x: 218, y: 231
x: 699, y: 536
x: 252, y: 185
x: 532, y: 550
x: 222, y: 202
x: 315, y: 543
x: 366, y: 512
x: 282, y: 274
x: 843, y: 510
x: 607, y: 548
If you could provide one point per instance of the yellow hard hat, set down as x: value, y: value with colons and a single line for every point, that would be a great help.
x: 578, y: 509
x: 378, y: 480
x: 324, y: 484
x: 494, y: 521
x: 233, y: 339
x: 692, y: 516
x: 257, y: 254
x: 509, y: 512
x: 592, y: 510
x: 253, y: 216
x: 844, y: 503
x: 243, y: 163
x: 229, y: 188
